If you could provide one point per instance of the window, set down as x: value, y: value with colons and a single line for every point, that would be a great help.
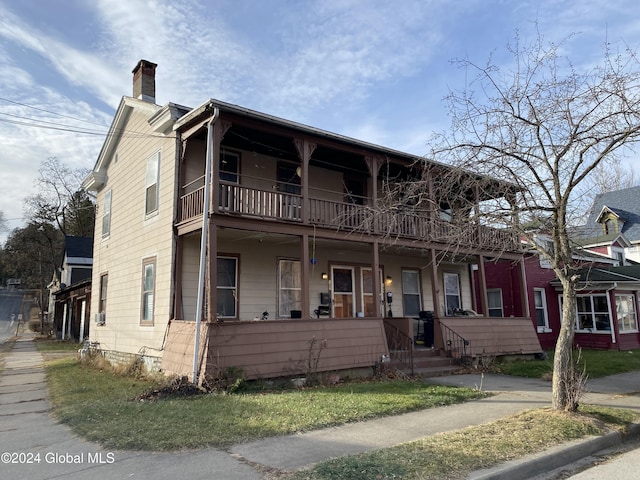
x: 494, y: 297
x: 151, y: 183
x: 148, y: 290
x: 102, y: 304
x: 593, y: 313
x: 290, y: 287
x: 626, y: 313
x: 411, y: 301
x: 540, y: 302
x: 368, y: 298
x: 106, y: 215
x: 288, y: 179
x: 229, y: 166
x: 227, y: 287
x: 289, y: 185
x: 451, y: 293
x: 229, y: 174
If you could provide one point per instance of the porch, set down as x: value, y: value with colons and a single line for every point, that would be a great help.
x: 460, y: 340
x: 355, y: 216
x: 276, y: 348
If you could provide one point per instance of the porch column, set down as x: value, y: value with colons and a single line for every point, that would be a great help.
x: 305, y: 150
x: 212, y: 277
x: 438, y: 342
x: 304, y: 275
x: 219, y: 129
x: 524, y: 294
x: 377, y: 287
x: 373, y: 165
x: 482, y: 286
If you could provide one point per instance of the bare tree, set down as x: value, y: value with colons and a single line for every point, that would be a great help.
x: 60, y: 200
x: 545, y: 127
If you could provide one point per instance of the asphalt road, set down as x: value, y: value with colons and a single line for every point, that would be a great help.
x: 11, y: 306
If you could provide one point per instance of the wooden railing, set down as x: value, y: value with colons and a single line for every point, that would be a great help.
x: 350, y: 217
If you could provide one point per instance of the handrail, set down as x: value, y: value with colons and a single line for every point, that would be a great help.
x: 454, y: 344
x: 237, y: 199
x: 400, y: 346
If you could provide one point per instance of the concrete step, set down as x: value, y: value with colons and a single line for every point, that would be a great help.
x: 426, y: 363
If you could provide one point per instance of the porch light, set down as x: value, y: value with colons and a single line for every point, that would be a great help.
x: 325, y: 276
x: 388, y: 281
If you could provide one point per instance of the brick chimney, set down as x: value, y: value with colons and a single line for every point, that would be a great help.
x: 144, y: 81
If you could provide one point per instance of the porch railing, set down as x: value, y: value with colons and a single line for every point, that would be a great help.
x: 455, y: 345
x: 400, y: 345
x: 351, y: 217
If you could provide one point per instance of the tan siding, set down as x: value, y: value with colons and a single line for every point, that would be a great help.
x: 133, y: 238
x: 277, y: 348
x: 493, y: 336
x: 190, y: 272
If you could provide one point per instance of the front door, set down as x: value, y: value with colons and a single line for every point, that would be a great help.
x: 343, y: 292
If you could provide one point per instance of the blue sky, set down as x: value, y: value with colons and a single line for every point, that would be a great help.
x: 376, y: 70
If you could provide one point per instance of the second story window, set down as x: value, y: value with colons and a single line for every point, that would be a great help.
x: 151, y: 183
x: 106, y: 214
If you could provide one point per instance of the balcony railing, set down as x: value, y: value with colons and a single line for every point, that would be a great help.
x: 280, y: 206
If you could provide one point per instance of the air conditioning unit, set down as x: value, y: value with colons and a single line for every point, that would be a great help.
x: 99, y: 318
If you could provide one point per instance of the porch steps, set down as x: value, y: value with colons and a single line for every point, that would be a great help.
x: 427, y: 363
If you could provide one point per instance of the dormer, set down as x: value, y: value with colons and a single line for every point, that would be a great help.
x: 611, y: 222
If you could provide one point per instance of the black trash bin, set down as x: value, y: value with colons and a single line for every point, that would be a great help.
x: 426, y: 317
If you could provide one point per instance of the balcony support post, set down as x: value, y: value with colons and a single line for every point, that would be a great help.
x: 304, y: 274
x: 377, y: 287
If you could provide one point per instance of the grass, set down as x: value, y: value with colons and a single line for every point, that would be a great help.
x: 52, y: 345
x: 598, y: 363
x: 456, y: 454
x: 98, y: 405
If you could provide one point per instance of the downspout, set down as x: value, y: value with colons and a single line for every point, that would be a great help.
x: 203, y: 242
x: 613, y: 329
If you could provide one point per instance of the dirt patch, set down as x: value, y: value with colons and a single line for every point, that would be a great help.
x: 180, y: 387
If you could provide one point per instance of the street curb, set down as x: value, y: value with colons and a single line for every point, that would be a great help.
x: 555, y: 457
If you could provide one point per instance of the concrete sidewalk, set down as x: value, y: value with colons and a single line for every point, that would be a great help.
x: 27, y: 429
x: 34, y: 446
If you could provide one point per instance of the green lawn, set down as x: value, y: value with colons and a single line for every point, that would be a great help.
x: 598, y: 363
x: 456, y: 454
x: 99, y: 406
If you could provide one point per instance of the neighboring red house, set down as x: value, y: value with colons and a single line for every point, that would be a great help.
x: 607, y: 302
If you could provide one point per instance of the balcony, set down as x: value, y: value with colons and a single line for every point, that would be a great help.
x: 272, y: 205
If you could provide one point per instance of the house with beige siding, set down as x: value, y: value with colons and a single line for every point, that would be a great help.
x: 230, y: 239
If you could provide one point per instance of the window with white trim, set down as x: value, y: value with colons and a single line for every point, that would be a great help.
x: 411, y: 301
x: 494, y: 299
x: 289, y: 287
x: 593, y: 313
x: 152, y: 180
x: 626, y: 313
x: 227, y: 287
x: 540, y: 303
x: 106, y: 214
x: 148, y: 290
x: 452, y: 301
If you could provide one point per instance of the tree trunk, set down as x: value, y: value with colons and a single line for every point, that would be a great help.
x: 563, y: 363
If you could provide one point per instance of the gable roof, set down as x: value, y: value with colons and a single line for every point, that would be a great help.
x: 625, y: 204
x: 605, y: 276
